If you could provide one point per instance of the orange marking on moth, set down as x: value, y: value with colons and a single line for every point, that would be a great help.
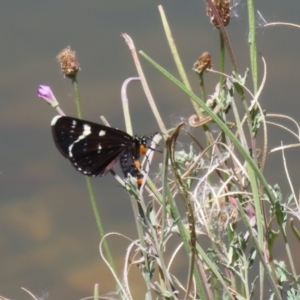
x: 139, y: 181
x: 137, y: 164
x: 143, y: 149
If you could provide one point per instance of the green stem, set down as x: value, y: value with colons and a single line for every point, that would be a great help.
x: 89, y: 184
x: 252, y: 42
x: 222, y: 58
x: 177, y: 59
x: 96, y: 292
x: 77, y: 98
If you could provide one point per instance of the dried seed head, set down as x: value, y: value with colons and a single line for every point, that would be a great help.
x: 204, y: 62
x: 223, y: 8
x: 68, y: 62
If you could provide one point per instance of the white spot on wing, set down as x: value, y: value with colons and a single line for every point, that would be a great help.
x: 54, y: 120
x: 70, y: 150
x: 102, y: 132
x: 86, y: 132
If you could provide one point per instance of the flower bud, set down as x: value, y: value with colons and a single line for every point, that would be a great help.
x: 45, y: 92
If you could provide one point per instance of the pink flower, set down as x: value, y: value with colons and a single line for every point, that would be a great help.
x: 45, y: 92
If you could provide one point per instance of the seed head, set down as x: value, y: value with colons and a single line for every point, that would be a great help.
x: 68, y: 62
x: 204, y: 62
x: 223, y: 8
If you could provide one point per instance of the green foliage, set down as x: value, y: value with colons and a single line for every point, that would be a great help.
x: 224, y: 192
